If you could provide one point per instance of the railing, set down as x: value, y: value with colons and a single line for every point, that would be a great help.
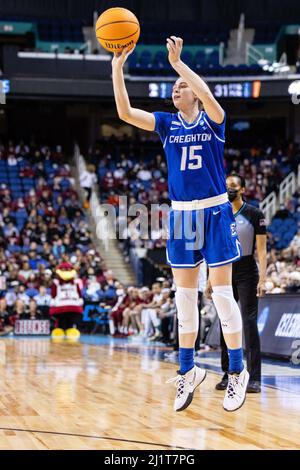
x: 240, y: 32
x: 103, y: 229
x: 287, y: 188
x: 221, y: 53
x: 252, y: 53
x: 269, y: 206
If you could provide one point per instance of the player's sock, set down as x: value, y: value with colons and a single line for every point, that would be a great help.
x: 235, y: 360
x: 186, y: 360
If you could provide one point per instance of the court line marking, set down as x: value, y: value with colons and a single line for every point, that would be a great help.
x: 56, y: 433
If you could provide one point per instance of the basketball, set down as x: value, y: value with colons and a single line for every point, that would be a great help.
x: 117, y: 28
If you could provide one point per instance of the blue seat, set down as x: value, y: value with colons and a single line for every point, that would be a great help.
x: 160, y: 61
x: 188, y: 58
x: 145, y: 60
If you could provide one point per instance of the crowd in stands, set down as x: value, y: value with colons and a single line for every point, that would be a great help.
x: 42, y: 224
x: 284, y: 248
x: 263, y: 167
x: 144, y: 180
x: 145, y: 312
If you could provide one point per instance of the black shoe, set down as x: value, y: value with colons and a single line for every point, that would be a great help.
x: 253, y: 387
x: 165, y: 341
x: 223, y: 384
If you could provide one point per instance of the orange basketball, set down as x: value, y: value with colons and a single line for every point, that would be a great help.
x: 117, y: 28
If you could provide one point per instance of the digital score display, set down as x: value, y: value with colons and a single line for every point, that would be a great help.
x: 246, y: 90
x: 237, y: 89
x: 160, y: 90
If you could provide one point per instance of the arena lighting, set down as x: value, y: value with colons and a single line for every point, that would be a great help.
x: 276, y: 67
x: 294, y: 88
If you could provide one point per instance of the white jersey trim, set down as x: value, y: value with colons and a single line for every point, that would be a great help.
x: 221, y: 263
x: 213, y: 130
x: 182, y: 265
x: 189, y: 127
x: 200, y: 204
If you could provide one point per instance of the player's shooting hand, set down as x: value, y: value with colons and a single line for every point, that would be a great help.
x: 120, y: 58
x: 174, y: 46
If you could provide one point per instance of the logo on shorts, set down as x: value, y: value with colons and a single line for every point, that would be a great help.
x: 233, y: 229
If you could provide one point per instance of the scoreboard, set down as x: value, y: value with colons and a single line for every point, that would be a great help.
x: 238, y: 89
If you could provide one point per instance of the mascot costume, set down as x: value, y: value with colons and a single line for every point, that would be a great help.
x: 67, y: 302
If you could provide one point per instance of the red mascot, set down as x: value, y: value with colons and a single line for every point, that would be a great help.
x: 67, y: 302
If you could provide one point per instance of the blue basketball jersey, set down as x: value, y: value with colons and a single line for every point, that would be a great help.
x: 194, y: 155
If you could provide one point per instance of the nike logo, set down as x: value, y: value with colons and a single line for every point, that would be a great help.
x: 215, y: 213
x: 174, y: 128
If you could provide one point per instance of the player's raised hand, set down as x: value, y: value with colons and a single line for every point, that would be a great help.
x: 120, y: 58
x: 174, y: 46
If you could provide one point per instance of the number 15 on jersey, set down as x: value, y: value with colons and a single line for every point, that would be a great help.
x: 189, y: 159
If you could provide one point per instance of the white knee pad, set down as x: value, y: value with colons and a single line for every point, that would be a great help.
x: 227, y: 308
x: 187, y: 309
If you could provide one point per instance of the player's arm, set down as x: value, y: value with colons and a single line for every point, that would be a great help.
x: 199, y: 87
x: 261, y: 244
x: 134, y: 116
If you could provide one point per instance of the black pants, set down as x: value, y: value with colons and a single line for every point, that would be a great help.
x: 67, y: 320
x: 88, y: 192
x: 165, y: 332
x: 244, y: 283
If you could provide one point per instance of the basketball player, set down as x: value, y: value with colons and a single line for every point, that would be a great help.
x: 201, y: 225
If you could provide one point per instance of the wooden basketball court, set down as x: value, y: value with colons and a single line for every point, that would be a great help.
x: 93, y: 396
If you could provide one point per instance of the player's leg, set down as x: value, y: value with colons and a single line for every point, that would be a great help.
x: 135, y: 320
x: 126, y: 320
x: 186, y: 298
x: 222, y: 248
x: 138, y: 318
x: 184, y: 256
x: 222, y: 385
x: 231, y: 322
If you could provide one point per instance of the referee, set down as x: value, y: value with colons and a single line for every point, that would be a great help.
x: 247, y: 281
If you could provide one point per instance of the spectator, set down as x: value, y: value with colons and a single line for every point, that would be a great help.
x: 87, y: 180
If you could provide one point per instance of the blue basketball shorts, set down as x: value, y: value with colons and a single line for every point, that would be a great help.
x: 205, y: 234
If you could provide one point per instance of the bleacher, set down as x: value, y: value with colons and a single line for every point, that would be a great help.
x: 284, y: 225
x: 47, y: 33
x: 21, y: 185
x: 66, y: 30
x: 148, y: 63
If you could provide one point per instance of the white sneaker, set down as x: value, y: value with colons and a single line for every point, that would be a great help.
x: 186, y: 385
x: 236, y: 390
